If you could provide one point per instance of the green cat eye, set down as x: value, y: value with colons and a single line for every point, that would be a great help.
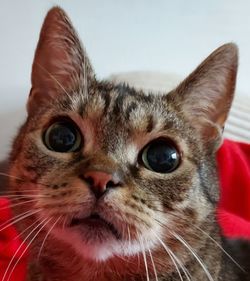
x: 160, y: 156
x: 62, y: 137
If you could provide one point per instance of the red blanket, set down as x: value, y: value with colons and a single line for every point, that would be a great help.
x: 233, y: 208
x: 9, y: 244
x: 234, y: 171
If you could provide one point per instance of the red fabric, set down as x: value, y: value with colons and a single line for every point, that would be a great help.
x: 233, y: 209
x: 9, y: 244
x: 234, y: 171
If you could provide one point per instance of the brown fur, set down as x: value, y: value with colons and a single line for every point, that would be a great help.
x: 116, y: 123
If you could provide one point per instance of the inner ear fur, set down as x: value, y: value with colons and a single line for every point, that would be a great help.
x: 61, y: 64
x: 206, y: 95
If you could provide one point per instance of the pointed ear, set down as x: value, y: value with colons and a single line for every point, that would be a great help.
x: 205, y: 96
x: 60, y: 64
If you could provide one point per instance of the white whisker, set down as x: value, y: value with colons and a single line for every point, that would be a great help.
x: 26, y: 229
x: 184, y: 242
x: 17, y: 192
x: 21, y: 233
x: 64, y: 222
x: 172, y: 256
x: 213, y: 240
x: 17, y: 219
x: 10, y: 176
x: 17, y: 204
x: 153, y: 264
x: 20, y: 246
x: 20, y: 179
x: 12, y: 197
x: 47, y: 235
x: 129, y: 236
x: 144, y: 257
x: 222, y: 249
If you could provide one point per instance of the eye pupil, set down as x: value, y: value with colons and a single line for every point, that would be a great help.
x: 161, y: 157
x: 62, y: 137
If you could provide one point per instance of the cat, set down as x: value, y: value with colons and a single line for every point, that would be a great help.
x: 115, y: 184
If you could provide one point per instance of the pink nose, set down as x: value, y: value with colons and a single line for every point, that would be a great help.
x: 100, y: 181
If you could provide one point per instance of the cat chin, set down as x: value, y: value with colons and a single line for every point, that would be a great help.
x: 101, y: 251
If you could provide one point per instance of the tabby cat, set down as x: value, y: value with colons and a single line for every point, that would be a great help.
x: 116, y: 184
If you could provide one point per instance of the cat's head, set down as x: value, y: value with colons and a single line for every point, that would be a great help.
x: 112, y: 170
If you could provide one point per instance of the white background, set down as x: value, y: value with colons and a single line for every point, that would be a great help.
x: 120, y: 35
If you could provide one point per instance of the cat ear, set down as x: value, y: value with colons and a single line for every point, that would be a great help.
x: 60, y: 64
x: 205, y: 96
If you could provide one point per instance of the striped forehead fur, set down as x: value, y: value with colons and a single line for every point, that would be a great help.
x: 140, y: 112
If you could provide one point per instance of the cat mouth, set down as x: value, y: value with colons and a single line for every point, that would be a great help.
x: 95, y: 223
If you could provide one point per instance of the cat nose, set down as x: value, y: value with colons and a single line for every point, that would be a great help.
x: 99, y: 181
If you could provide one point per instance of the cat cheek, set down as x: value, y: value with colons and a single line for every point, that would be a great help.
x: 74, y: 198
x: 136, y: 208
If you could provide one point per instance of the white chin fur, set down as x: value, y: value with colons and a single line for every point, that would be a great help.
x: 102, y: 251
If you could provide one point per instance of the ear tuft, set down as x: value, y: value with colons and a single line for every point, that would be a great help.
x: 205, y: 96
x: 60, y: 63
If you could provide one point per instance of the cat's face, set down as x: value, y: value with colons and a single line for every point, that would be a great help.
x: 119, y: 145
x: 115, y: 171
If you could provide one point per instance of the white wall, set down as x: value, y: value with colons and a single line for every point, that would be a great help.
x: 120, y: 35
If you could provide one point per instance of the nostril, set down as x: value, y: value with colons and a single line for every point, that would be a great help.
x: 111, y: 184
x: 89, y: 180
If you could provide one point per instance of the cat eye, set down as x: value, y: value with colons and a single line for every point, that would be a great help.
x: 62, y: 137
x: 160, y: 156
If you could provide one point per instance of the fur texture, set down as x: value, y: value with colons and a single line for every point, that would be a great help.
x: 158, y: 226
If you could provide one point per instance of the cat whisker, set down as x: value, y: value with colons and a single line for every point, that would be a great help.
x: 130, y: 243
x: 17, y: 219
x: 13, y: 195
x: 10, y: 176
x: 184, y: 242
x: 47, y: 235
x: 27, y: 247
x: 174, y: 259
x: 129, y: 236
x: 220, y: 247
x: 24, y: 251
x: 144, y: 256
x: 138, y: 254
x: 26, y: 229
x: 18, y: 204
x: 153, y: 264
x: 65, y: 221
x: 22, y: 180
x: 22, y: 197
x: 193, y: 226
x: 17, y: 216
x: 21, y: 191
x: 138, y: 260
x: 14, y: 177
x: 21, y: 233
